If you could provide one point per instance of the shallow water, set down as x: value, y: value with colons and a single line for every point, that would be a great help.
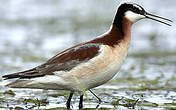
x: 32, y: 31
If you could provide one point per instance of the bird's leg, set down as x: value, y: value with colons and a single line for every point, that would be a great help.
x: 69, y: 100
x: 99, y: 100
x: 81, y: 102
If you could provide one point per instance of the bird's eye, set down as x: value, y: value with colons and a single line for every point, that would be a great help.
x: 142, y: 11
x: 136, y: 10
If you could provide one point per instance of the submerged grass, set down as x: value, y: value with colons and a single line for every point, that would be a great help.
x: 9, y: 92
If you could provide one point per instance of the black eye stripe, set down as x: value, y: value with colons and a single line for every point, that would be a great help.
x: 137, y: 10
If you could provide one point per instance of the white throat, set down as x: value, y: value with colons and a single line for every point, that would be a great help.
x: 133, y: 17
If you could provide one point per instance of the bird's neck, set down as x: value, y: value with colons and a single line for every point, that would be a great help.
x: 119, y: 34
x: 123, y: 29
x: 122, y: 23
x: 115, y: 36
x: 118, y: 20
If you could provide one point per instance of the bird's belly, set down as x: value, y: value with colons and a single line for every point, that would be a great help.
x: 102, y: 76
x: 100, y: 69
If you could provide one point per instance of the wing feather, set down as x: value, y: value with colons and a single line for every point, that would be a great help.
x: 63, y: 61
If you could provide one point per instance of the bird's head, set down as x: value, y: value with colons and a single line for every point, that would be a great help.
x: 135, y: 12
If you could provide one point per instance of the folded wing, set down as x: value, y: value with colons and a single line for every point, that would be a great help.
x: 63, y: 61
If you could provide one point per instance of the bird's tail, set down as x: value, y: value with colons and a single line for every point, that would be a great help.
x: 23, y: 78
x: 31, y: 73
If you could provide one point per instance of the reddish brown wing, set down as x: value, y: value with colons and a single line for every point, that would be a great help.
x: 64, y: 61
x: 79, y: 53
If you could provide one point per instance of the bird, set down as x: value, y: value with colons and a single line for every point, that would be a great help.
x: 89, y: 64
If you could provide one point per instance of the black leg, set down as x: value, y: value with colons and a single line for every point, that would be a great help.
x: 99, y: 100
x: 69, y: 100
x: 81, y: 102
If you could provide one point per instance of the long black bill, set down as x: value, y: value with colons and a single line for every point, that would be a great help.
x: 148, y: 15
